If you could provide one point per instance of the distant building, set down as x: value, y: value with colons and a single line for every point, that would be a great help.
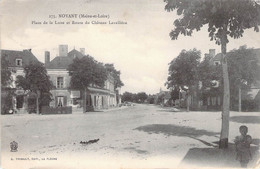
x: 97, y: 98
x: 163, y: 98
x: 17, y: 61
x: 213, y: 99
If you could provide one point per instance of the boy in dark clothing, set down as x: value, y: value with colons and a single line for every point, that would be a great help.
x: 242, y: 143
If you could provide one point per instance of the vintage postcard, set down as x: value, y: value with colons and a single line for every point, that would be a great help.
x: 130, y: 84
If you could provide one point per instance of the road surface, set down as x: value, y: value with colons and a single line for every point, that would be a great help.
x: 140, y: 136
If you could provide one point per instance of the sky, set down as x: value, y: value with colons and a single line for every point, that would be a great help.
x: 140, y: 49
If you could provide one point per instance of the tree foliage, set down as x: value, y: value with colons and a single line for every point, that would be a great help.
x: 116, y: 75
x: 6, y: 77
x: 86, y: 71
x: 175, y: 93
x: 243, y: 69
x: 142, y: 96
x: 127, y: 97
x: 36, y: 80
x: 183, y: 69
x: 214, y: 13
x: 133, y: 97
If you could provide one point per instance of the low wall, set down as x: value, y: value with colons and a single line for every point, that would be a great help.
x: 56, y: 110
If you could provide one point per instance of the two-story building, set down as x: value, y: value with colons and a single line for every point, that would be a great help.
x: 97, y: 98
x: 213, y: 99
x: 17, y: 61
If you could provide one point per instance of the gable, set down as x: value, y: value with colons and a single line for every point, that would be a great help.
x: 23, y: 57
x: 62, y: 62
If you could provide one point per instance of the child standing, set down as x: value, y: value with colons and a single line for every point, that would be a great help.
x: 242, y: 144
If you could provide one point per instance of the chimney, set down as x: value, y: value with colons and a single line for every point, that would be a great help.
x: 47, y: 57
x: 63, y: 50
x: 82, y: 51
x: 212, y: 53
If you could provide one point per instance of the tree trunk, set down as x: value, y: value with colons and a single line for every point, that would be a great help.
x: 37, y: 104
x: 84, y: 93
x: 223, y: 142
x: 239, y: 99
x: 179, y: 98
x: 188, y: 101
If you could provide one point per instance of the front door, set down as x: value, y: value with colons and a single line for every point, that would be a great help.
x: 19, y: 101
x: 60, y: 102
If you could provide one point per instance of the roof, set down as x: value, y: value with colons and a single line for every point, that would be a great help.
x: 216, y: 58
x: 257, y: 52
x: 26, y: 55
x: 62, y: 62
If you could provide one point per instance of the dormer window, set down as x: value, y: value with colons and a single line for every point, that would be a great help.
x: 216, y: 63
x: 18, y: 62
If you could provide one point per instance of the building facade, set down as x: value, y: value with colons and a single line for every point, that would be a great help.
x: 22, y: 100
x: 96, y: 97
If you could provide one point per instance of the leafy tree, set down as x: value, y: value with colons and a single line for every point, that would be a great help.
x: 142, y: 96
x: 37, y: 81
x: 159, y: 98
x: 183, y: 71
x: 127, y: 97
x: 135, y: 98
x: 116, y: 75
x: 244, y: 71
x: 6, y: 80
x: 175, y: 93
x: 151, y: 99
x: 85, y: 72
x: 224, y: 18
x: 6, y: 77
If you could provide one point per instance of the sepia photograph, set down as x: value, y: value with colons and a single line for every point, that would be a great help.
x: 130, y: 84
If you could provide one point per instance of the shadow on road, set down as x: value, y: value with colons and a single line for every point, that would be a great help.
x: 215, y: 157
x: 174, y: 130
x: 246, y: 119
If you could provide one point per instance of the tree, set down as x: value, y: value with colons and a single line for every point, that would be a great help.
x: 175, y: 93
x: 224, y: 18
x: 6, y: 77
x: 141, y: 96
x: 85, y: 72
x: 159, y: 98
x: 244, y: 71
x: 116, y: 75
x: 127, y: 97
x: 36, y: 80
x: 183, y: 71
x: 151, y: 99
x: 6, y: 80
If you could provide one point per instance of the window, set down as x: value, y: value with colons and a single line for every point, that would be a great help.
x: 18, y: 62
x: 217, y: 63
x: 60, y: 82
